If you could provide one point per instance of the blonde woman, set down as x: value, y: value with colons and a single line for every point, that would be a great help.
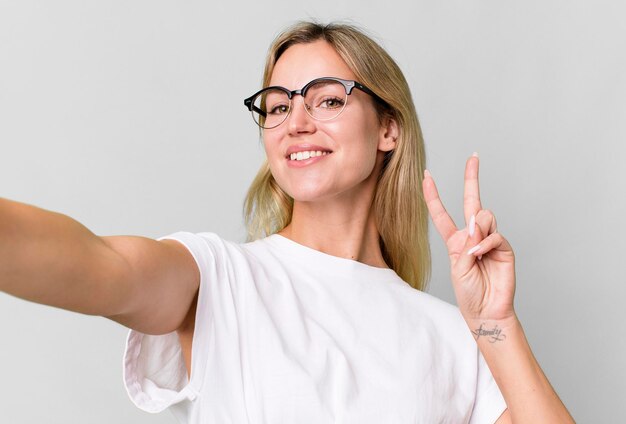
x: 320, y: 317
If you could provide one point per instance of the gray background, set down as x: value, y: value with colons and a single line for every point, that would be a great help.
x: 128, y: 116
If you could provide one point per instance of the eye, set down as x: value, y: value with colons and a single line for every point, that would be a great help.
x: 332, y: 103
x: 279, y: 109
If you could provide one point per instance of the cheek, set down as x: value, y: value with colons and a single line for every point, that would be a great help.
x: 361, y: 153
x: 271, y: 147
x: 275, y: 159
x: 268, y: 141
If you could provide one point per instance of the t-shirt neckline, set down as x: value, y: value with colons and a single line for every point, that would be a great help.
x: 305, y: 252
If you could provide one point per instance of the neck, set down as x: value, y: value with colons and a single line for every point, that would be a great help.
x: 342, y: 226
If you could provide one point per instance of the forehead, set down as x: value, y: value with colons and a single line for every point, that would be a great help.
x: 302, y: 63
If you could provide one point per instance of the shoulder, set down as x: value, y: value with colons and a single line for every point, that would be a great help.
x: 205, y: 244
x: 423, y: 299
x: 443, y: 318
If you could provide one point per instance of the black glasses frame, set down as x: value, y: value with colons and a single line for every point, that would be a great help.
x: 349, y: 85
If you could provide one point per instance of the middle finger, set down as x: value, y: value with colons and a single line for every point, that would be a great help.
x: 471, y: 193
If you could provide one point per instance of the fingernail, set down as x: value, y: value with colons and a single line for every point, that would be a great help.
x: 472, y: 224
x: 473, y: 249
x: 427, y: 173
x: 475, y: 154
x: 480, y: 257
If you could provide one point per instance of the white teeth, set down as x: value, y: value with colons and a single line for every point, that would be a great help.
x: 307, y: 154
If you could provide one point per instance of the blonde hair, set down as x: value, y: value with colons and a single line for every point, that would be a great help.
x: 399, y: 208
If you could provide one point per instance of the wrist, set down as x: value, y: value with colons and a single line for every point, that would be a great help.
x: 504, y: 319
x: 493, y: 330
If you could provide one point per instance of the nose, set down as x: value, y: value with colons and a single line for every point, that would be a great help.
x: 299, y: 121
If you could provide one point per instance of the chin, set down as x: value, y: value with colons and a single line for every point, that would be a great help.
x: 313, y: 189
x: 306, y: 195
x: 305, y: 192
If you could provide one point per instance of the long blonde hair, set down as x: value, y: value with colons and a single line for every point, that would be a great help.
x: 399, y: 208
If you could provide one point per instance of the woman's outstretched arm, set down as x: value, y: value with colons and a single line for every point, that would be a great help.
x: 483, y: 276
x: 50, y: 258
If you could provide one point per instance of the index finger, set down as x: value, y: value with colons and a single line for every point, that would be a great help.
x: 471, y: 193
x: 443, y: 222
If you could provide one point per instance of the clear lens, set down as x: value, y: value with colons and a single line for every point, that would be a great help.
x: 325, y: 99
x: 271, y: 108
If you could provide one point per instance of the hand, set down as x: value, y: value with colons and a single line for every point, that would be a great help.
x: 483, y: 281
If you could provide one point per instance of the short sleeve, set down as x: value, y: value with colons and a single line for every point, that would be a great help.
x: 489, y: 403
x: 154, y: 371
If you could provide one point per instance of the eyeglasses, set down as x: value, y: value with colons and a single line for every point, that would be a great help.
x: 324, y: 99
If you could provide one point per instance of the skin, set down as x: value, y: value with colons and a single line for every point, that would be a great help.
x: 484, y: 288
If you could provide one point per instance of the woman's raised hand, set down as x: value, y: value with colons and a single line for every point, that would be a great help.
x: 482, y: 262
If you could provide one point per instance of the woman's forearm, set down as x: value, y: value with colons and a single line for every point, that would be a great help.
x: 528, y: 394
x: 49, y: 258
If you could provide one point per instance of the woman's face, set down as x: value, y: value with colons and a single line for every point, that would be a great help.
x: 353, y: 140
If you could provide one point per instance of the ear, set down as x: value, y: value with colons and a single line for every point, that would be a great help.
x: 388, y: 135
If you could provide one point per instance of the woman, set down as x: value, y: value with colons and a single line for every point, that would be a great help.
x: 320, y: 321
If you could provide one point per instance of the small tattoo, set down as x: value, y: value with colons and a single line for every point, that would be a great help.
x: 494, y: 335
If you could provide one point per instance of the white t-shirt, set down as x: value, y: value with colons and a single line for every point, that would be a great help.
x: 287, y: 334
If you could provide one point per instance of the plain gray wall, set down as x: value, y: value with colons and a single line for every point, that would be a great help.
x: 128, y: 116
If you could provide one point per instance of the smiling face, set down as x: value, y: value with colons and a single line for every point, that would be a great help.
x: 351, y: 144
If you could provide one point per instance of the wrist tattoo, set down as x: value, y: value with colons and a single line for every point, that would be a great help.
x: 493, y: 336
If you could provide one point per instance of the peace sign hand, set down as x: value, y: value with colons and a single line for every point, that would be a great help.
x: 484, y: 279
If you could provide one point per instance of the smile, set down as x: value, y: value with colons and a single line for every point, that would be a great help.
x: 307, y: 154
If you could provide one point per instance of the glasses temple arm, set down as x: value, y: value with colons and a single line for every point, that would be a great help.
x: 368, y: 91
x: 253, y: 108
